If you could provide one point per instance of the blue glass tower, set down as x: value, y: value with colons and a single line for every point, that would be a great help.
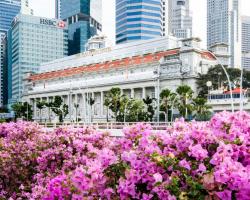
x: 138, y: 20
x: 84, y: 20
x: 8, y: 10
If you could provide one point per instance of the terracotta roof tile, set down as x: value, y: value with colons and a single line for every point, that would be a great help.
x: 125, y: 62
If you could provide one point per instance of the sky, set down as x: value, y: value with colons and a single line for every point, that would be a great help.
x: 46, y: 8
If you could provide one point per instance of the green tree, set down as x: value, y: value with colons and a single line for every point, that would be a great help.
x: 201, y: 109
x: 185, y: 94
x: 49, y: 105
x: 3, y: 110
x: 60, y: 109
x: 76, y: 108
x: 23, y: 110
x: 167, y: 100
x: 18, y: 108
x: 40, y: 105
x: 149, y: 102
x: 113, y: 101
x: 91, y: 103
x: 218, y: 78
x: 107, y: 103
x: 135, y: 111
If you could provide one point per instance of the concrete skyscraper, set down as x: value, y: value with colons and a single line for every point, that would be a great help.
x: 246, y: 42
x: 224, y: 27
x: 179, y: 18
x: 83, y: 18
x: 138, y: 20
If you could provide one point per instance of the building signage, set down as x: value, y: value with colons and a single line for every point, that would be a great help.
x: 49, y: 22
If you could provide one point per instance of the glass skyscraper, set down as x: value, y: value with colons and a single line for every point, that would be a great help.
x: 84, y: 20
x: 180, y: 18
x: 224, y: 26
x: 8, y: 10
x: 138, y: 20
x: 33, y: 40
x: 245, y: 42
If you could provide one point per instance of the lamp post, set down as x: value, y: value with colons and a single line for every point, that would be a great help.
x: 241, y: 84
x: 228, y: 79
x: 241, y: 90
x: 209, y: 85
x: 70, y: 102
x: 172, y: 108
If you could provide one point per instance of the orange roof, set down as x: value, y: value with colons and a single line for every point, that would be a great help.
x: 207, y: 55
x: 235, y: 91
x: 125, y: 62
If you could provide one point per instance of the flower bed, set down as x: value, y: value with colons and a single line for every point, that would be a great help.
x: 189, y: 161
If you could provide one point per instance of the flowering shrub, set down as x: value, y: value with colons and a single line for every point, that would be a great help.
x: 197, y: 160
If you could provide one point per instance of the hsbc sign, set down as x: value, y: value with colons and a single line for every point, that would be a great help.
x: 49, y: 22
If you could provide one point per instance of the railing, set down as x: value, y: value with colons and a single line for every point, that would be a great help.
x: 225, y: 96
x: 107, y: 125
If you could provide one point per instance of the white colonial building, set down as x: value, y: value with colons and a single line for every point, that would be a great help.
x: 140, y: 69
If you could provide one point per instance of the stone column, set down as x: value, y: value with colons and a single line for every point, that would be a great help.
x: 132, y: 93
x: 102, y: 102
x: 84, y: 106
x: 76, y: 102
x: 143, y: 92
x: 34, y: 109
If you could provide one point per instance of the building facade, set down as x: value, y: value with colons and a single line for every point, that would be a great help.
x: 25, y: 9
x: 138, y: 20
x: 8, y: 10
x: 84, y: 21
x: 246, y: 42
x: 180, y: 18
x: 224, y: 26
x: 140, y: 69
x: 221, y: 51
x: 33, y: 40
x: 58, y: 9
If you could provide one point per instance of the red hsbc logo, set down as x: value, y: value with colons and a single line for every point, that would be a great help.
x: 61, y: 24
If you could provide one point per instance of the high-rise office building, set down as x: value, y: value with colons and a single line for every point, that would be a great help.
x: 33, y: 40
x: 224, y: 26
x: 58, y: 9
x: 179, y: 18
x: 8, y: 10
x: 25, y: 9
x: 246, y: 42
x: 84, y: 21
x: 138, y: 20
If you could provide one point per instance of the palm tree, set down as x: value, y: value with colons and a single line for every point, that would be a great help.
x: 40, y: 105
x: 107, y: 104
x: 76, y: 105
x: 185, y: 94
x: 91, y: 103
x: 150, y: 108
x: 201, y: 108
x: 166, y: 97
x: 113, y: 101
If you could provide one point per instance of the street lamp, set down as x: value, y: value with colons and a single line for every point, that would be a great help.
x: 228, y: 79
x: 209, y: 85
x: 241, y: 90
x: 156, y: 76
x: 172, y: 108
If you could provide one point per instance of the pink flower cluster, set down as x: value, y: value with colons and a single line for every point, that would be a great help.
x: 197, y: 160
